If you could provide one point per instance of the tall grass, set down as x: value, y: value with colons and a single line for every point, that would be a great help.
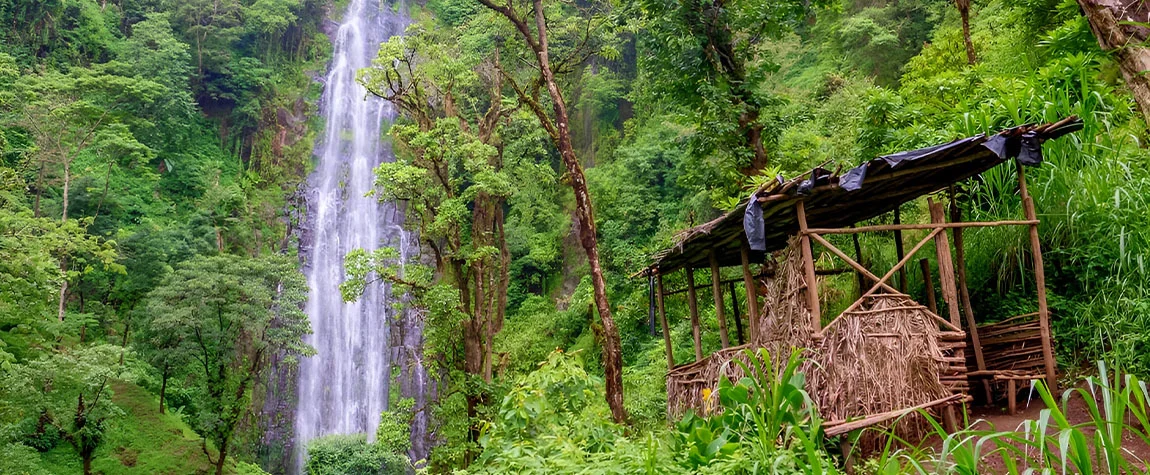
x: 1116, y: 405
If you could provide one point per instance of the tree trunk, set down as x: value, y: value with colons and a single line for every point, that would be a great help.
x: 612, y: 347
x: 163, y: 388
x: 63, y: 287
x: 64, y: 218
x: 1133, y: 58
x: 560, y: 133
x: 964, y: 13
x: 39, y: 191
x: 759, y: 159
x: 223, y: 457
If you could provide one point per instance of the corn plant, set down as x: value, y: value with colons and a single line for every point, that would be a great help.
x: 764, y: 423
x: 1118, y: 408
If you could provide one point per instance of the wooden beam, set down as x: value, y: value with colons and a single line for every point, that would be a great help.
x: 899, y: 251
x: 945, y: 264
x: 881, y: 281
x: 964, y: 291
x: 908, y: 227
x: 735, y: 312
x: 931, y: 302
x: 693, y: 306
x: 766, y: 274
x: 850, y: 262
x: 904, y: 260
x: 809, y: 270
x: 840, y: 427
x: 663, y: 321
x: 752, y: 291
x: 717, y: 293
x: 1039, y: 279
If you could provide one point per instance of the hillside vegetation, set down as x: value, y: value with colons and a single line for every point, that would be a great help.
x: 151, y: 161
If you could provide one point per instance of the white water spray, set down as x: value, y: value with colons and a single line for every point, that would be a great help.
x: 344, y: 388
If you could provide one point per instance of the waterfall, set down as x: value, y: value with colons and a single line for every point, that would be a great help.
x: 345, y: 386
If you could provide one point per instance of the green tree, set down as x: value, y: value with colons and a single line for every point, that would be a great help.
x: 31, y: 249
x: 711, y: 57
x: 541, y: 61
x: 451, y: 161
x: 71, y: 391
x: 230, y: 314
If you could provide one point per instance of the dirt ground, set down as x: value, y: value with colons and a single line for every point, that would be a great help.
x: 984, y: 417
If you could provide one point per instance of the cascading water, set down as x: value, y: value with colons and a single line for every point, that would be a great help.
x: 345, y: 386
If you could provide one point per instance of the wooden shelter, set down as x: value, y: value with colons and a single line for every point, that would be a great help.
x: 886, y: 354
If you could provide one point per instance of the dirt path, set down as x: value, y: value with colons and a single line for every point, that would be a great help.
x: 1077, y: 412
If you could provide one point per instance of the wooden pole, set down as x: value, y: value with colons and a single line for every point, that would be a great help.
x: 752, y: 292
x: 663, y: 321
x: 717, y: 293
x: 736, y: 313
x: 899, y: 251
x: 1040, y: 280
x: 964, y: 292
x: 931, y: 301
x: 945, y: 265
x: 1011, y: 397
x: 809, y: 270
x: 858, y: 258
x: 693, y: 306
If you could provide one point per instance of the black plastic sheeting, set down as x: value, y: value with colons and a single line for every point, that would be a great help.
x: 1027, y: 148
x: 755, y: 227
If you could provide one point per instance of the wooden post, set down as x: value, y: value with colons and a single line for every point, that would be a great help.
x: 738, y: 315
x: 693, y: 306
x: 931, y: 302
x: 898, y: 250
x: 1011, y: 399
x: 1040, y: 280
x: 858, y: 258
x: 809, y: 268
x: 964, y: 293
x: 752, y: 291
x: 663, y: 321
x: 717, y: 292
x: 945, y: 264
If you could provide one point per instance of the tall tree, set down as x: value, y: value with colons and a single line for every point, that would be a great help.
x: 1120, y: 28
x: 230, y: 314
x: 72, y: 391
x: 711, y: 56
x: 585, y: 26
x: 964, y: 16
x: 450, y: 160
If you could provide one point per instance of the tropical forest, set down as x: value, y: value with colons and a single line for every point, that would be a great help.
x: 574, y: 237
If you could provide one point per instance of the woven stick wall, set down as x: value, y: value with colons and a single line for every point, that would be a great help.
x: 886, y: 354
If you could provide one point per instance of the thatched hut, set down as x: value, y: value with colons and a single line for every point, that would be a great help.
x: 886, y: 354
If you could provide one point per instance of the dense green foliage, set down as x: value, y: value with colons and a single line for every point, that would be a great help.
x: 835, y: 85
x: 135, y: 137
x: 150, y: 154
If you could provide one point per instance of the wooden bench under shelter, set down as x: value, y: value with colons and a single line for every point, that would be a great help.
x: 887, y: 354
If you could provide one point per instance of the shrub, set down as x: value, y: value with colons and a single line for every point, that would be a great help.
x: 351, y: 455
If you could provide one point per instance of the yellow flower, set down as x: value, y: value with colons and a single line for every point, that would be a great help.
x: 706, y: 394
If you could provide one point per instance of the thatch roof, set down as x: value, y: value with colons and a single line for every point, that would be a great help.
x: 832, y: 201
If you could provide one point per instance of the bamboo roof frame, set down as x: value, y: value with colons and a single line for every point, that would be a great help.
x: 830, y: 209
